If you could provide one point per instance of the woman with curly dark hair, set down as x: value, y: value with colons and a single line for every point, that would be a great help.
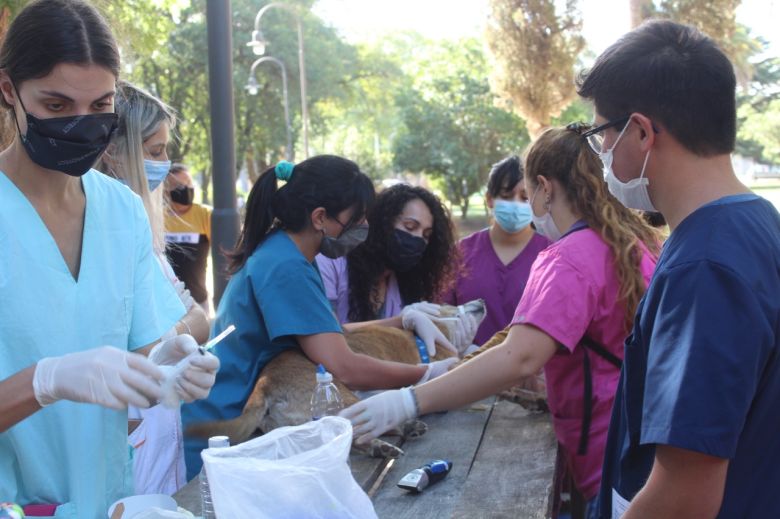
x: 410, y: 256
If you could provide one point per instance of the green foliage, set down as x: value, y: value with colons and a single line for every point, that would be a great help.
x: 362, y: 121
x: 169, y: 56
x: 452, y: 129
x: 715, y: 18
x: 758, y: 115
x: 762, y: 128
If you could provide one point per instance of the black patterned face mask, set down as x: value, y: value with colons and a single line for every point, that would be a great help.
x: 405, y: 250
x: 70, y: 145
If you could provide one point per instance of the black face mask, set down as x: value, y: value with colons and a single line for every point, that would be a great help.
x: 183, y: 195
x: 70, y: 145
x: 405, y: 251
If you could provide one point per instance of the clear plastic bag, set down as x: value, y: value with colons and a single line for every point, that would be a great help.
x: 291, y: 472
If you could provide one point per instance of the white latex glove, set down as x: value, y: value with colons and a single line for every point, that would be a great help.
x: 198, y: 377
x: 105, y: 376
x: 421, y: 324
x: 376, y: 415
x: 189, y: 380
x: 465, y: 330
x: 170, y: 334
x: 436, y: 368
x: 425, y: 307
x: 193, y: 373
x: 169, y: 352
x: 184, y: 295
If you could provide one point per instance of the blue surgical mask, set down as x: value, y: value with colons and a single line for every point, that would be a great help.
x: 512, y: 216
x: 156, y: 171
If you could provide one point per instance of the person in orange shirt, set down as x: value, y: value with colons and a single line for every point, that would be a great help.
x: 187, y: 233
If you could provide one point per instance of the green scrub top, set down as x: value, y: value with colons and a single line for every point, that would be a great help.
x: 71, y: 453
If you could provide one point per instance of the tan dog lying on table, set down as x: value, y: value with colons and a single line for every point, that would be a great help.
x: 282, y: 393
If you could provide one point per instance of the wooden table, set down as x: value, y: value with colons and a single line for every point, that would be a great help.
x: 503, y: 466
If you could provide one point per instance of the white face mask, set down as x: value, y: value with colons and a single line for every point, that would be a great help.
x: 633, y: 193
x: 545, y: 225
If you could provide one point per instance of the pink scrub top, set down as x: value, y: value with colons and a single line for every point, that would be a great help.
x: 573, y: 291
x: 483, y: 275
x: 335, y: 278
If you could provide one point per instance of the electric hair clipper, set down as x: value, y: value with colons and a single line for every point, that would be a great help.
x: 417, y: 480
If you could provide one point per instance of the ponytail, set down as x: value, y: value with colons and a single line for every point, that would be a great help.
x: 563, y: 154
x: 328, y: 181
x: 258, y: 220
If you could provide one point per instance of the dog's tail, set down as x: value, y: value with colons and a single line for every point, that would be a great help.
x: 242, y: 427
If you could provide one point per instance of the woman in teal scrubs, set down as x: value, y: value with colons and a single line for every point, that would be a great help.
x: 80, y: 288
x: 276, y: 298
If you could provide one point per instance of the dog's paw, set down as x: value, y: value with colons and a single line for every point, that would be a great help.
x: 382, y: 449
x: 413, y: 429
x: 529, y: 400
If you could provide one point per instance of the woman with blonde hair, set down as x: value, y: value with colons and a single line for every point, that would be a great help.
x: 138, y: 157
x: 572, y: 318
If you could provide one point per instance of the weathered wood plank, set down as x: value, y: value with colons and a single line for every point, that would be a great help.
x: 366, y: 469
x: 188, y: 497
x: 455, y: 436
x: 513, y: 472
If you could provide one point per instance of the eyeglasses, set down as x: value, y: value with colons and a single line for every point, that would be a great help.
x: 595, y: 136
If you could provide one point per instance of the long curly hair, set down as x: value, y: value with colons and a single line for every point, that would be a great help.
x: 431, y: 276
x: 563, y: 154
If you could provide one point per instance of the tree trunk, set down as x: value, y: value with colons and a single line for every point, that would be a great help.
x: 251, y: 165
x: 534, y: 127
x: 206, y: 185
x: 7, y: 125
x: 464, y: 208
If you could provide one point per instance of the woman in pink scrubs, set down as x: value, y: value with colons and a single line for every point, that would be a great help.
x: 496, y: 261
x: 572, y: 319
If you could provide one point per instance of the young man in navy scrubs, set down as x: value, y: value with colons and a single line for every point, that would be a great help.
x: 695, y: 424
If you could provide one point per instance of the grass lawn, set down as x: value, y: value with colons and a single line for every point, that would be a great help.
x: 769, y: 189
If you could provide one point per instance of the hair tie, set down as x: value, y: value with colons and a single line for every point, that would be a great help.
x: 579, y: 128
x: 284, y: 170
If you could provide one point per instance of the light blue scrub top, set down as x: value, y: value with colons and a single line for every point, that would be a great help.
x: 274, y: 297
x: 72, y: 453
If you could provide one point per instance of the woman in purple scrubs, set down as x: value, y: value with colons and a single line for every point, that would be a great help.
x: 496, y: 261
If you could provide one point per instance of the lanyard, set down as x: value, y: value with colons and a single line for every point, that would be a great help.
x: 578, y: 226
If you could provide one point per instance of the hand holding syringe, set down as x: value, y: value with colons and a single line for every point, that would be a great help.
x: 213, y: 342
x: 171, y: 397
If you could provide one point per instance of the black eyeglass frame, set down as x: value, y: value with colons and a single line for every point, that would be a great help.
x: 620, y: 121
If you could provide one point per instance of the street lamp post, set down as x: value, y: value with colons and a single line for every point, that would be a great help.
x: 258, y: 45
x: 225, y: 223
x: 252, y: 87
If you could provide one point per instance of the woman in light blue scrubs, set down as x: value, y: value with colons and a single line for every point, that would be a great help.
x: 276, y: 298
x: 80, y: 288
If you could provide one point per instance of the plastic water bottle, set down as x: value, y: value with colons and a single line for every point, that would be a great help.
x: 326, y: 400
x: 207, y: 507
